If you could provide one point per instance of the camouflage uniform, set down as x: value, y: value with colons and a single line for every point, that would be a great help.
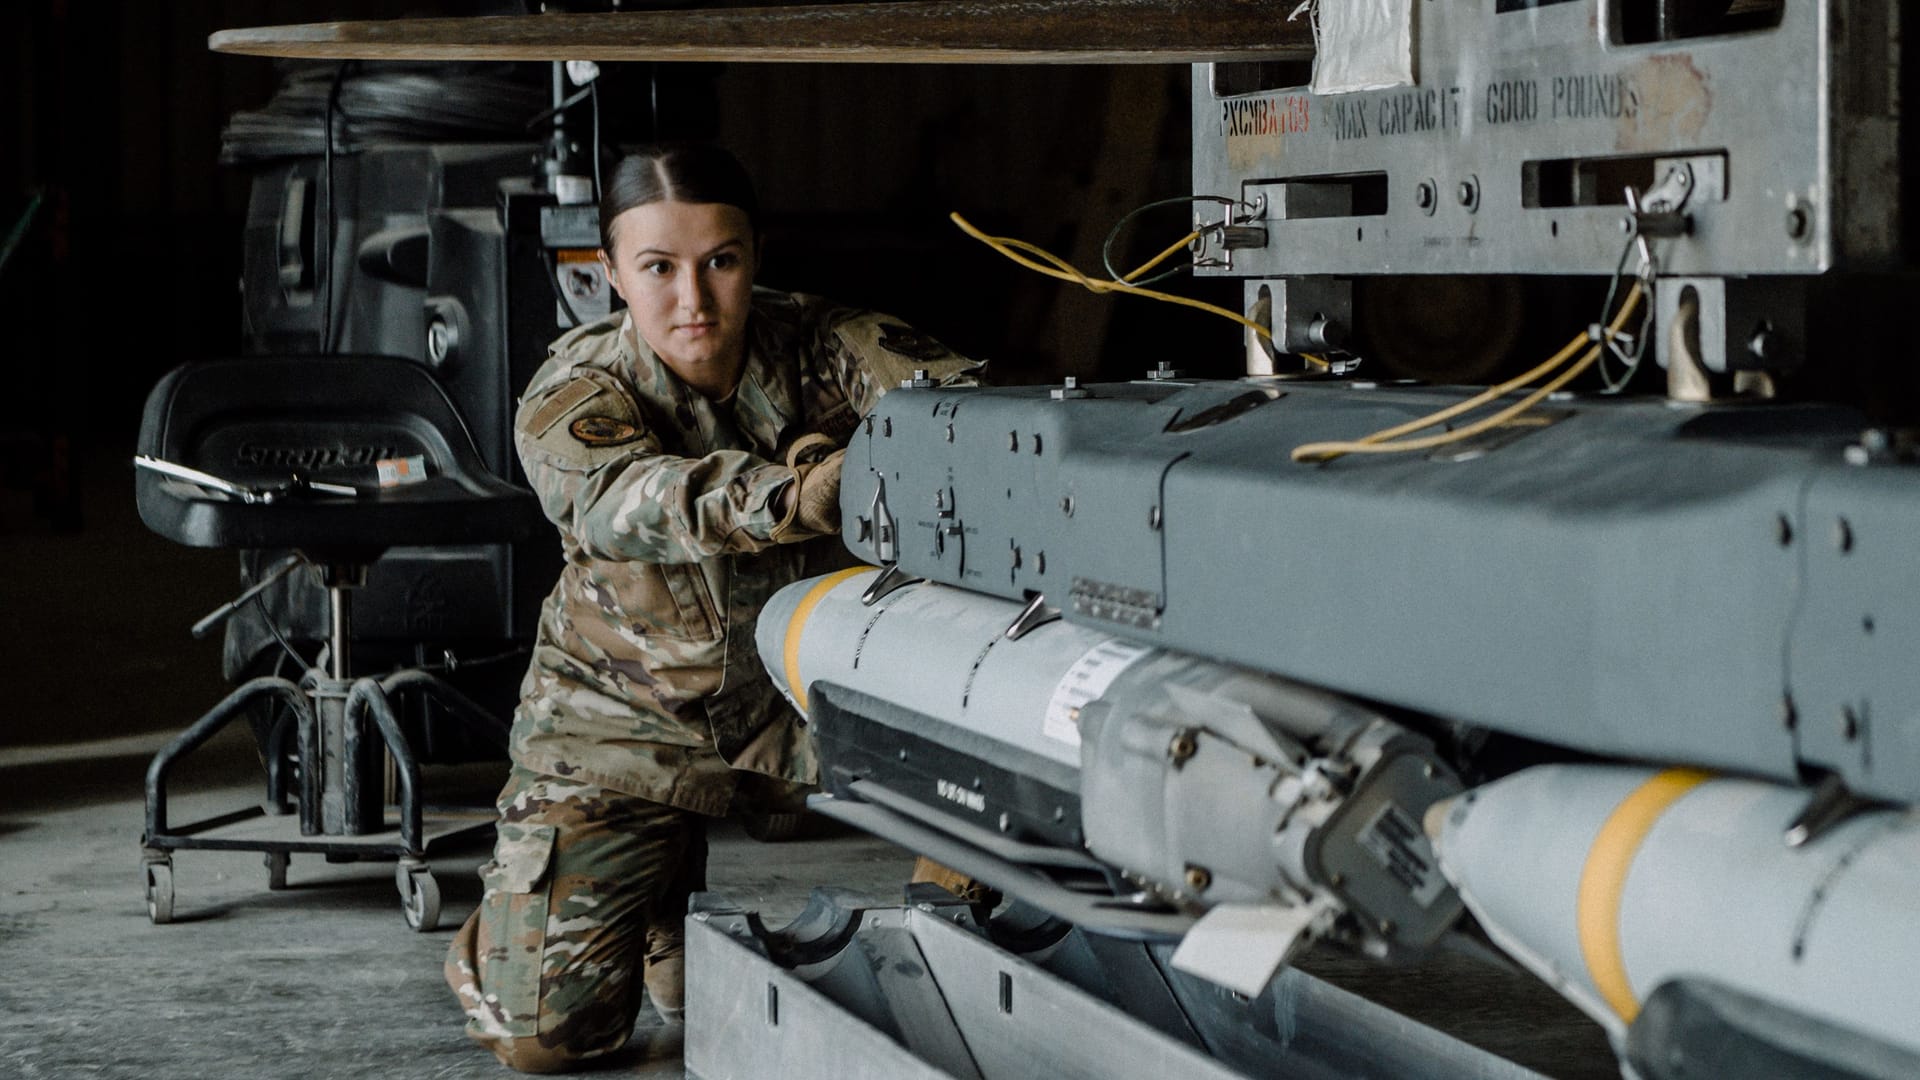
x: 645, y: 706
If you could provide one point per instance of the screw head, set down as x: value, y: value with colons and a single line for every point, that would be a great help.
x: 1799, y: 223
x: 440, y: 341
x: 1182, y: 747
x: 1423, y: 196
x: 1198, y: 878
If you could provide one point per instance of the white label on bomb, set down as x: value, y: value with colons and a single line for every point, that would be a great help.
x: 1086, y: 680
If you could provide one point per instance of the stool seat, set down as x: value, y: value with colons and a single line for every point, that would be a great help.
x: 259, y: 422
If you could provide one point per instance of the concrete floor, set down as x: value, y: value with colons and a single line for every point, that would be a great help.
x: 323, y: 979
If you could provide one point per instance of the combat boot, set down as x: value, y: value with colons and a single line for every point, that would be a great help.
x: 666, y: 982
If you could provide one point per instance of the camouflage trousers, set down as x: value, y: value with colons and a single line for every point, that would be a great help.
x: 584, y: 905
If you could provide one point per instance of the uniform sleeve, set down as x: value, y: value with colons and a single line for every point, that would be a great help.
x: 875, y: 353
x: 605, y: 480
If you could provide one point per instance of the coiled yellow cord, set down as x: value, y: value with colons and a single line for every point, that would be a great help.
x: 1065, y: 271
x: 1378, y: 442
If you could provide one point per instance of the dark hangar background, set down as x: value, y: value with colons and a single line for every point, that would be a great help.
x: 111, y: 114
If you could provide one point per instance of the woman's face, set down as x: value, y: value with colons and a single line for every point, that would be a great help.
x: 686, y: 273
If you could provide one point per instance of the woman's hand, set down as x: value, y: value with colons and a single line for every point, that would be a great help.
x: 818, y: 496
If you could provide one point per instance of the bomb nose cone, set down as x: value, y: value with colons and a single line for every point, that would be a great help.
x: 783, y: 622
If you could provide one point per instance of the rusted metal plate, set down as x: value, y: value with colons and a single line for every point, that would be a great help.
x: 926, y: 32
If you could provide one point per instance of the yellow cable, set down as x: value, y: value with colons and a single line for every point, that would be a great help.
x: 1491, y: 393
x: 1377, y: 443
x: 1172, y: 249
x: 1065, y: 271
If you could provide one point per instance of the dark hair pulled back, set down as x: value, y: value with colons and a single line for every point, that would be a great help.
x: 676, y: 172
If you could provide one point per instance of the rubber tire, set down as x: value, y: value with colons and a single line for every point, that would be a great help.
x: 158, y: 877
x: 419, y: 898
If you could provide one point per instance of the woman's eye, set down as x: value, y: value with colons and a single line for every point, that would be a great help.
x: 726, y: 260
x: 658, y: 269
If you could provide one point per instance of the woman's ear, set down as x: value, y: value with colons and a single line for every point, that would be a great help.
x: 606, y: 264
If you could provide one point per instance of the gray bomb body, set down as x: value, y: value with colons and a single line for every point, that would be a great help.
x: 1203, y: 782
x: 1607, y: 888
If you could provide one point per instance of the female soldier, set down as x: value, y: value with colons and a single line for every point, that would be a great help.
x: 674, y: 445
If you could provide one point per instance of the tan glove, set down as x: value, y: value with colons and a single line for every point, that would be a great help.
x: 818, y: 495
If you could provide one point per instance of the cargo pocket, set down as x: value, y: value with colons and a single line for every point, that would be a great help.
x: 699, y: 619
x: 513, y: 928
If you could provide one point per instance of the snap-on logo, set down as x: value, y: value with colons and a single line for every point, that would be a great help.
x: 311, y: 457
x: 953, y: 792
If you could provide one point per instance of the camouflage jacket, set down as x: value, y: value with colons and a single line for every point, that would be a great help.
x: 644, y: 677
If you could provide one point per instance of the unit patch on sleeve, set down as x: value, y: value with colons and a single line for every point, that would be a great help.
x: 603, y: 431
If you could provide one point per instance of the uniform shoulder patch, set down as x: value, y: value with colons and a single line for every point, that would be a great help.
x: 556, y: 404
x: 585, y: 392
x: 604, y: 431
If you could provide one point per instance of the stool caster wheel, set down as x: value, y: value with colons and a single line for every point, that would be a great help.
x: 419, y: 894
x: 277, y: 870
x: 158, y: 876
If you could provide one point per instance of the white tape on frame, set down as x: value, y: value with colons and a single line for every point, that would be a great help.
x: 1363, y: 45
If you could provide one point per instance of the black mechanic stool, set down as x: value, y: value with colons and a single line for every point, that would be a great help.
x: 278, y: 452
